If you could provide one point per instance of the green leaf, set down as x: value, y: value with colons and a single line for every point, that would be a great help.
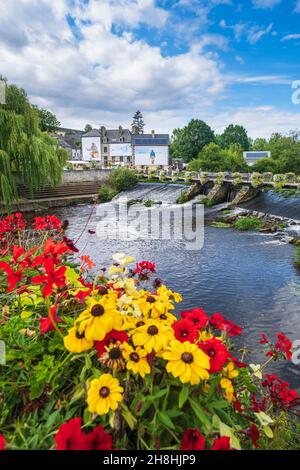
x: 218, y: 404
x: 129, y: 418
x: 157, y: 395
x: 164, y: 418
x: 229, y: 432
x: 268, y: 432
x: 26, y: 314
x: 200, y: 414
x: 36, y: 390
x: 52, y: 418
x: 183, y: 395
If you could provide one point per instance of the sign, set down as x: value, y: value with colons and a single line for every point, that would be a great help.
x: 91, y: 149
x: 120, y: 150
x: 152, y: 156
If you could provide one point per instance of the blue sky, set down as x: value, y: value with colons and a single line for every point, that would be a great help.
x: 98, y: 61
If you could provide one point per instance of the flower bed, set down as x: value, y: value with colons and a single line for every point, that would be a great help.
x: 100, y: 361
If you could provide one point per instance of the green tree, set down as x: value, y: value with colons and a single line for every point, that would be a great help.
x: 265, y: 165
x: 138, y: 123
x: 27, y: 155
x: 234, y: 159
x: 189, y: 141
x: 234, y: 134
x: 48, y: 121
x: 211, y: 158
x: 88, y: 128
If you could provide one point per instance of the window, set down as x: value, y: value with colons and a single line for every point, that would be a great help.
x: 121, y: 159
x: 105, y: 149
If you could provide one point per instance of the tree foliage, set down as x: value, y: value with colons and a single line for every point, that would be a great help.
x: 190, y: 140
x: 213, y: 158
x: 285, y: 154
x: 138, y: 122
x: 48, y: 121
x: 88, y: 128
x: 27, y: 155
x: 234, y: 134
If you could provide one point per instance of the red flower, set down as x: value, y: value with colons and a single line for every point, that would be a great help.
x: 86, y: 260
x: 253, y: 433
x: 236, y: 362
x: 221, y: 443
x: 46, y: 324
x: 278, y: 392
x: 51, y: 277
x: 111, y: 338
x: 145, y: 266
x: 98, y: 439
x: 264, y: 339
x: 217, y: 353
x: 256, y: 407
x: 185, y: 330
x: 71, y: 437
x: 50, y: 222
x: 282, y: 348
x: 13, y: 277
x: 2, y: 442
x: 197, y: 316
x: 220, y: 323
x: 192, y: 440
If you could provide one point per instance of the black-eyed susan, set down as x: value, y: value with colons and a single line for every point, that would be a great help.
x: 153, y: 336
x: 187, y: 361
x: 100, y: 317
x: 165, y: 317
x: 104, y: 394
x: 136, y: 360
x: 76, y: 342
x: 112, y: 357
x: 150, y: 304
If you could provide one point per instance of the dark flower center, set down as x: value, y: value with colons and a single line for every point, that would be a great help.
x: 79, y: 335
x: 97, y: 310
x: 152, y: 330
x: 187, y: 357
x: 212, y: 352
x: 103, y: 290
x: 104, y: 392
x: 115, y: 353
x: 150, y: 299
x: 195, y: 320
x: 140, y: 323
x: 134, y: 357
x: 184, y: 333
x: 163, y: 317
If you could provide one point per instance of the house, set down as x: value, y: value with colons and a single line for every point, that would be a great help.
x: 254, y: 156
x: 151, y: 150
x: 116, y: 146
x: 91, y: 146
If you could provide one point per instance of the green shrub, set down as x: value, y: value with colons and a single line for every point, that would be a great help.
x: 247, y: 223
x: 122, y: 179
x: 221, y: 224
x: 207, y: 202
x: 106, y: 193
x: 182, y: 198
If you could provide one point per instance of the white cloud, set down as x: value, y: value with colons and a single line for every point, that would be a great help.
x: 253, y: 33
x: 261, y: 121
x: 297, y: 7
x: 256, y: 33
x: 265, y: 3
x: 289, y: 37
x: 104, y: 76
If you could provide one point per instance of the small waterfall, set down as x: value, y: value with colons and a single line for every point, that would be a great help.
x: 273, y: 203
x: 155, y: 192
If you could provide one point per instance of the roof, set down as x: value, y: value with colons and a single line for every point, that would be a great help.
x: 256, y: 154
x: 116, y: 135
x: 92, y: 133
x: 151, y: 139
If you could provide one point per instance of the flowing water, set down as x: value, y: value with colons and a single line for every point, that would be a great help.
x: 248, y: 277
x: 274, y: 203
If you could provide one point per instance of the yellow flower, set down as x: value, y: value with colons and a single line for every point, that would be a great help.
x: 76, y: 341
x: 163, y: 291
x: 154, y: 304
x: 112, y: 357
x: 228, y: 373
x: 131, y: 322
x: 104, y: 394
x: 100, y: 318
x: 187, y: 361
x: 166, y: 317
x: 204, y: 336
x: 136, y: 360
x: 153, y: 335
x: 122, y: 259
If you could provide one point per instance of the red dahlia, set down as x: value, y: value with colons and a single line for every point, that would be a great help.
x: 185, y: 330
x: 192, y: 440
x: 71, y: 437
x: 197, y: 316
x: 2, y: 442
x: 217, y: 353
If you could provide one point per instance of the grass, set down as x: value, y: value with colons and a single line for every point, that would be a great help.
x: 221, y: 225
x: 247, y: 223
x: 207, y: 202
x: 182, y: 198
x: 297, y: 258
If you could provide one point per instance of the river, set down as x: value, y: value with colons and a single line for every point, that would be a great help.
x: 249, y: 277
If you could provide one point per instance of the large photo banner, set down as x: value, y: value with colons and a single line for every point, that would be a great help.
x: 147, y: 156
x: 120, y: 150
x: 91, y: 149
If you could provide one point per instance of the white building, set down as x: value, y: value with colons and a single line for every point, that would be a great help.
x: 151, y: 150
x: 254, y: 156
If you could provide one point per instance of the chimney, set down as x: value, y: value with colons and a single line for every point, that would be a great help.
x: 153, y: 133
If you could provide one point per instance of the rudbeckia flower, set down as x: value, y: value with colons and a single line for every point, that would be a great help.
x: 112, y: 357
x: 104, y: 394
x: 187, y: 361
x: 111, y: 338
x: 153, y: 335
x: 136, y: 360
x: 76, y: 341
x: 100, y: 318
x: 153, y: 304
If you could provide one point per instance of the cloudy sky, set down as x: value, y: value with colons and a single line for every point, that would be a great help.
x: 98, y: 61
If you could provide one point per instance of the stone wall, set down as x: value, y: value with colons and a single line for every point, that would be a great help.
x: 78, y: 176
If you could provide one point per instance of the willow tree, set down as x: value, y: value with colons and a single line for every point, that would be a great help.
x: 27, y: 155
